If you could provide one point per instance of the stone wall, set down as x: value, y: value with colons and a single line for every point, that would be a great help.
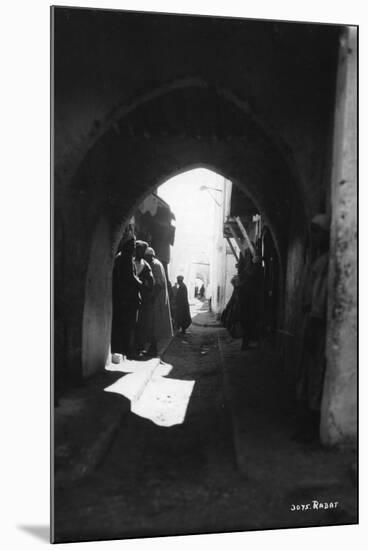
x: 339, y: 418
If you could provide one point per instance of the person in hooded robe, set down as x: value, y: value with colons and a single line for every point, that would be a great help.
x: 144, y: 273
x: 202, y: 292
x: 159, y: 320
x: 231, y: 317
x: 310, y: 378
x: 248, y: 292
x: 182, y: 310
x: 126, y: 299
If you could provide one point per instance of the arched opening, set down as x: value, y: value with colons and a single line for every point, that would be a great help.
x: 168, y: 135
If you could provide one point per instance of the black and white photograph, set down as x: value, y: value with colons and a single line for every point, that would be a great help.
x: 204, y: 281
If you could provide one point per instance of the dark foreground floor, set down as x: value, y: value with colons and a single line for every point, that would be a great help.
x: 231, y: 464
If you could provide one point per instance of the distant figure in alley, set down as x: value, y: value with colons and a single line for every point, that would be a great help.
x: 182, y: 312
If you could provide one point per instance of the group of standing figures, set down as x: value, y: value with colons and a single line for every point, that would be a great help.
x: 141, y: 301
x: 243, y: 320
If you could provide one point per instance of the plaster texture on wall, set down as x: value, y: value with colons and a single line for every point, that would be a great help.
x: 97, y: 302
x: 339, y: 409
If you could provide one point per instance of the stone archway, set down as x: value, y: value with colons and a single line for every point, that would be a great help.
x: 169, y: 134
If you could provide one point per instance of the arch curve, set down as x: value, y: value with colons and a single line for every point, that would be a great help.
x: 130, y: 105
x: 185, y: 125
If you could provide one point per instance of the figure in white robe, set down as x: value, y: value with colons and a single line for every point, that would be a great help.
x: 160, y: 326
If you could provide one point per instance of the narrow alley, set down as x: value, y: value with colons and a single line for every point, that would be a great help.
x: 219, y: 469
x: 205, y: 275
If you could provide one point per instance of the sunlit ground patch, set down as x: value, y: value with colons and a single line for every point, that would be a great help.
x: 162, y: 400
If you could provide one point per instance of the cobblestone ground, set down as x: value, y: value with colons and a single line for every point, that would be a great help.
x: 182, y: 479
